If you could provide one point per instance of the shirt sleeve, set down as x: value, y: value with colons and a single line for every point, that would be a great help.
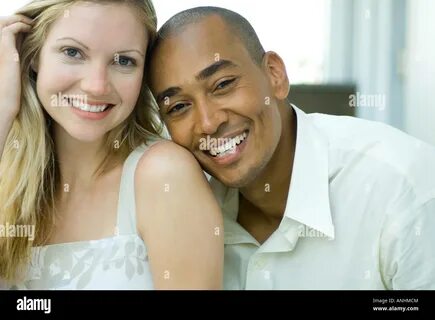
x: 407, y: 252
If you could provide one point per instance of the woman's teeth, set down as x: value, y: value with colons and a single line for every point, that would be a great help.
x: 87, y: 107
x: 229, y: 146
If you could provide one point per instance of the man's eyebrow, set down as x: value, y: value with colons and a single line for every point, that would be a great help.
x: 166, y: 94
x: 212, y: 69
x: 202, y: 75
x: 69, y: 38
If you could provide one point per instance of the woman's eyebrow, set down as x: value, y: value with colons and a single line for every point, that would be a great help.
x: 87, y: 48
x: 69, y: 38
x: 132, y: 50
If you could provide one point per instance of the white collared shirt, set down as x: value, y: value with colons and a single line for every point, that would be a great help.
x: 360, y: 213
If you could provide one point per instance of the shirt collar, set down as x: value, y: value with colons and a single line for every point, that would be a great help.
x: 308, y: 199
x: 228, y: 199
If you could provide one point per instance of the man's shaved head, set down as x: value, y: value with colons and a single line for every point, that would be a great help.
x: 213, y: 80
x: 238, y: 25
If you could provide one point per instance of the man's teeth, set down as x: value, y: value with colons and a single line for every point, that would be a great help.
x: 87, y: 107
x: 229, y: 146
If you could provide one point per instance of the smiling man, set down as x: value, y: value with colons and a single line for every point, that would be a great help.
x: 309, y: 201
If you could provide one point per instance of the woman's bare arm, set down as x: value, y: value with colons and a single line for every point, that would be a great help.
x: 179, y: 220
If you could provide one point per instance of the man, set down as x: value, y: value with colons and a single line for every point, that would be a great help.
x: 309, y: 201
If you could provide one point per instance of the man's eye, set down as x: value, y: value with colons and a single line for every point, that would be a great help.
x: 177, y: 107
x: 72, y: 52
x: 125, y: 61
x: 224, y: 84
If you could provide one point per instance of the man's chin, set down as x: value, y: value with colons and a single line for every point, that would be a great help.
x: 237, y: 181
x: 239, y: 177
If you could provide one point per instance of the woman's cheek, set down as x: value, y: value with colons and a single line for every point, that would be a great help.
x: 129, y: 89
x: 55, y: 79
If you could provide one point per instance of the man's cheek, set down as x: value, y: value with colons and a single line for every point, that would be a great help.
x: 181, y: 138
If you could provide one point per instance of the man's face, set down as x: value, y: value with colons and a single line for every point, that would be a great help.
x: 216, y: 101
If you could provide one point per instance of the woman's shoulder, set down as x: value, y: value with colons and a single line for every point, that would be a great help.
x: 169, y: 180
x: 164, y: 159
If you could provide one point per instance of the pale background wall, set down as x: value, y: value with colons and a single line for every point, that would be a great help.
x: 383, y: 46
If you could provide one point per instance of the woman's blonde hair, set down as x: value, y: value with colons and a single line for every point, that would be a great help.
x: 29, y: 173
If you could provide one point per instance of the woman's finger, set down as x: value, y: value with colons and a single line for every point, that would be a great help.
x: 8, y: 20
x: 8, y: 35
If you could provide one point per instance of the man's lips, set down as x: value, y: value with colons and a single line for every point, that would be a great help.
x: 226, y: 149
x: 233, y: 134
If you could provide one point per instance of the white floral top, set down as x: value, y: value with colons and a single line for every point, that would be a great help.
x: 114, y: 263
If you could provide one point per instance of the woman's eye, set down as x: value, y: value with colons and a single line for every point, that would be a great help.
x: 72, y: 52
x: 125, y: 61
x: 224, y: 84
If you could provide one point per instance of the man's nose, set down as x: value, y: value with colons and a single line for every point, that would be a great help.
x: 96, y: 82
x: 208, y: 119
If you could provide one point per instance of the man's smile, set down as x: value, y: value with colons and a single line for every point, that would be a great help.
x: 225, y: 150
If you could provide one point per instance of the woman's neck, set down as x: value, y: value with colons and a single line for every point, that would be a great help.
x: 77, y: 160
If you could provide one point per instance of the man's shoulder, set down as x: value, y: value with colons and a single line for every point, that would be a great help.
x: 378, y: 140
x: 378, y: 149
x: 360, y: 130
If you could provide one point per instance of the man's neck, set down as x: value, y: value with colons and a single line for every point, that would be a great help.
x: 264, y: 200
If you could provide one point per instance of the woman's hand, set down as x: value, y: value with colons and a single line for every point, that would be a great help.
x: 10, y: 76
x: 11, y: 29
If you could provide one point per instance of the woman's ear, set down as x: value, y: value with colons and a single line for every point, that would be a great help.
x: 275, y: 70
x: 34, y: 65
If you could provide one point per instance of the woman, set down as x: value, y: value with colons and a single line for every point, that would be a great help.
x: 75, y: 165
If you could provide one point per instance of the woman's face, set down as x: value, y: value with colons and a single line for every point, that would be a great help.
x: 90, y: 68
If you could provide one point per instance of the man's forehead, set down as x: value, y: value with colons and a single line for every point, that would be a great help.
x: 208, y: 34
x: 183, y: 55
x: 213, y: 24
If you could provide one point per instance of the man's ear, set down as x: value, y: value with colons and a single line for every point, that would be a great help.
x: 275, y: 70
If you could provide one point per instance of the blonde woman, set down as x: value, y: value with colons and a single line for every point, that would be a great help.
x: 114, y: 205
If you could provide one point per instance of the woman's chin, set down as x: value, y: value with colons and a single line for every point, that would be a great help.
x: 84, y: 134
